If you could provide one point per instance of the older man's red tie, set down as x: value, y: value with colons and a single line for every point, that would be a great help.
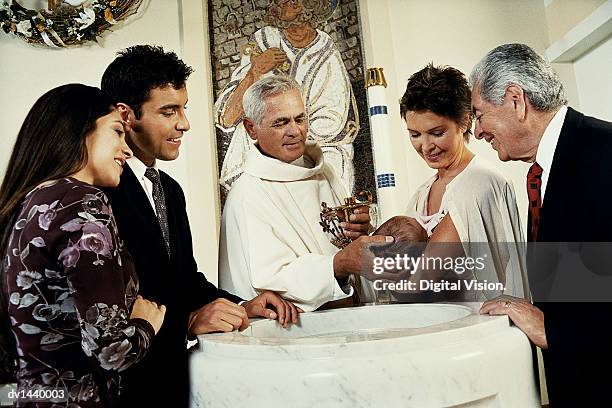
x: 534, y: 193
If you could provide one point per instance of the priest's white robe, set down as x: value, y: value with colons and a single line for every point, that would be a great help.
x: 270, y: 233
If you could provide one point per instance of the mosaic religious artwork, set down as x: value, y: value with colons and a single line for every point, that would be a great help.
x: 316, y: 42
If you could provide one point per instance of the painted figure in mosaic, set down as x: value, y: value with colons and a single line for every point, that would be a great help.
x: 291, y: 45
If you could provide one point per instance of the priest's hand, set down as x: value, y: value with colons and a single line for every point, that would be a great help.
x: 286, y: 312
x: 357, y: 256
x: 220, y: 315
x: 522, y: 313
x: 358, y: 223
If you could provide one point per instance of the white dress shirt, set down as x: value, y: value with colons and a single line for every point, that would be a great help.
x: 139, y: 169
x: 547, y: 146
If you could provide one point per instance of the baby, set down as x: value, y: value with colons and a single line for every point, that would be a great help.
x: 410, y: 238
x: 408, y: 235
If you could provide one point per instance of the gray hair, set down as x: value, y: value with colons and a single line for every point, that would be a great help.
x: 518, y: 64
x: 254, y: 99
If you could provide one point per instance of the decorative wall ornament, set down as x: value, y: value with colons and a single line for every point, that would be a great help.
x: 64, y: 23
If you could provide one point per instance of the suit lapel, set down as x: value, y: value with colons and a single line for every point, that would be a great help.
x: 560, y: 173
x: 137, y: 198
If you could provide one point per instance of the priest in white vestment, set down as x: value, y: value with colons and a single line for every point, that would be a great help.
x: 270, y: 233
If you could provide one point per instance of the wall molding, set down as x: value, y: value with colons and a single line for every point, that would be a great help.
x: 584, y: 36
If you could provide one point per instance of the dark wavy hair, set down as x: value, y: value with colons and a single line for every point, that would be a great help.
x: 442, y: 90
x: 139, y: 69
x: 50, y: 145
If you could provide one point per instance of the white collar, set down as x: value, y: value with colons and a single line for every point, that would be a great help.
x: 269, y: 168
x: 548, y: 143
x: 138, y: 167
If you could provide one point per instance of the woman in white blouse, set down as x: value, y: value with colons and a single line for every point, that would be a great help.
x: 468, y: 208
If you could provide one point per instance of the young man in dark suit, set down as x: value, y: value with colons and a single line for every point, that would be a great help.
x: 521, y: 111
x: 148, y: 85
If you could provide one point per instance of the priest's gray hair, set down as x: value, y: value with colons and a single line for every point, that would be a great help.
x: 518, y: 64
x: 254, y: 99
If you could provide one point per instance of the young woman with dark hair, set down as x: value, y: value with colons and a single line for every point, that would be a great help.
x: 70, y: 315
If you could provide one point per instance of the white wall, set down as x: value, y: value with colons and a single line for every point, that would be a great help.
x: 563, y: 15
x: 594, y: 81
x: 405, y: 35
x: 26, y: 72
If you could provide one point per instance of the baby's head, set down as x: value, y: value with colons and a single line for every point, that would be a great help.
x: 409, y: 236
x: 403, y: 229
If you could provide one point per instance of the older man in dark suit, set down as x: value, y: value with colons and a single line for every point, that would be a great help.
x: 148, y: 85
x: 521, y: 111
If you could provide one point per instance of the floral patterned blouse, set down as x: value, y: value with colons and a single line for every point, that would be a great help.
x: 70, y: 287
